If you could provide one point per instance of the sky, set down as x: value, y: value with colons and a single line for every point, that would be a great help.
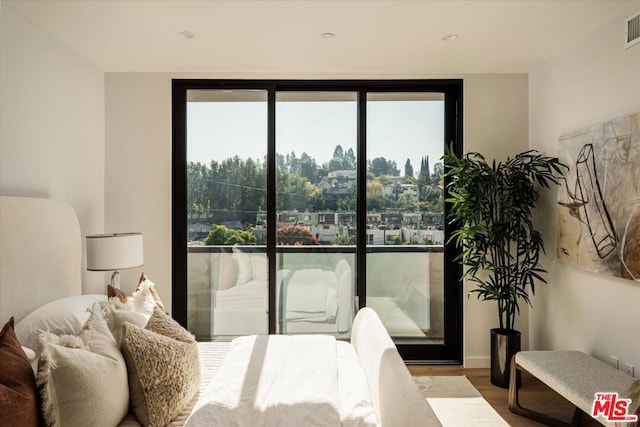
x: 397, y: 130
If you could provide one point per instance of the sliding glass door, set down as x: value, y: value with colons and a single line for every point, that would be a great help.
x: 405, y: 213
x: 298, y: 202
x: 316, y: 186
x: 226, y: 194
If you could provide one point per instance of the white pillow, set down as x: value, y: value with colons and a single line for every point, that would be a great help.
x: 33, y: 359
x: 245, y: 269
x: 117, y: 317
x: 143, y: 301
x: 62, y: 316
x: 83, y: 378
x: 259, y: 267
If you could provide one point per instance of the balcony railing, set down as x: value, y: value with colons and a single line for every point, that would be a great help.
x: 315, y: 290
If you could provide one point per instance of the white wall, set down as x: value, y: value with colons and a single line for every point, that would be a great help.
x: 51, y: 125
x: 496, y: 125
x: 594, y: 81
x: 138, y: 166
x: 138, y: 171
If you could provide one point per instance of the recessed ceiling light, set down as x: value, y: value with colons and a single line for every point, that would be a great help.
x: 327, y: 35
x: 186, y: 35
x: 448, y: 37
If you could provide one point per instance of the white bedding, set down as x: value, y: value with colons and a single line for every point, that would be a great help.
x: 281, y: 380
x: 211, y: 356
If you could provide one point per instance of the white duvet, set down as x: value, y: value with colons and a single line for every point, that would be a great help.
x: 284, y: 380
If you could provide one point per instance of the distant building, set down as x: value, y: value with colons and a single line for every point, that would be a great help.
x: 347, y: 174
x: 397, y: 190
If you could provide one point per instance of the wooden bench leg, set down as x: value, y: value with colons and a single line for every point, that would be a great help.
x: 577, y: 416
x: 516, y: 408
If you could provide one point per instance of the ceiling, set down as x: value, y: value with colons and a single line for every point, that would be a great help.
x: 285, y: 37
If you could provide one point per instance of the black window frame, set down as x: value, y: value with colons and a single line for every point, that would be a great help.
x: 451, y: 351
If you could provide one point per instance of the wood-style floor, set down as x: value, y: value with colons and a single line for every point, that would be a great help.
x: 534, y: 395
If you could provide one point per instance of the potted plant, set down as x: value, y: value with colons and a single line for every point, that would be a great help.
x: 492, y: 205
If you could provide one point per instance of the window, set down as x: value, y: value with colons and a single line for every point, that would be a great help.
x: 296, y: 202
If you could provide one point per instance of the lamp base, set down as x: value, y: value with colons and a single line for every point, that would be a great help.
x: 115, y: 279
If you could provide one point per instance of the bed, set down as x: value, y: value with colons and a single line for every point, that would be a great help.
x: 40, y: 281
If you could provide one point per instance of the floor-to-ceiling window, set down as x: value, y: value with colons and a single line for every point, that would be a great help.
x: 297, y: 202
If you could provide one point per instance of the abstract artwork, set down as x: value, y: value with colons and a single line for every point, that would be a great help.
x: 599, y: 198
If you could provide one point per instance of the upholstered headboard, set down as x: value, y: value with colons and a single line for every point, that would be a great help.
x: 40, y: 254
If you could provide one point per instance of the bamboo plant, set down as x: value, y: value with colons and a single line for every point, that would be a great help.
x: 492, y: 205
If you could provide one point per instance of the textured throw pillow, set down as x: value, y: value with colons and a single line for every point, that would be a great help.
x: 164, y: 369
x: 19, y: 403
x: 83, y: 378
x: 62, y: 316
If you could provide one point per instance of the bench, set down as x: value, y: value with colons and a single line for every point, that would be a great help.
x: 574, y: 375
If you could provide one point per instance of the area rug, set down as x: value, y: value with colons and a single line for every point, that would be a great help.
x: 456, y: 402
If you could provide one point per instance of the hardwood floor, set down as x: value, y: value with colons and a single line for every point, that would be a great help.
x: 534, y: 395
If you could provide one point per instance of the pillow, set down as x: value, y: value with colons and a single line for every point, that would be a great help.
x: 19, y: 403
x: 83, y: 378
x: 259, y: 268
x: 244, y: 267
x: 32, y: 358
x: 228, y: 272
x: 116, y: 317
x: 152, y: 290
x: 62, y: 316
x: 116, y: 293
x: 164, y: 368
x: 145, y: 298
x: 143, y: 301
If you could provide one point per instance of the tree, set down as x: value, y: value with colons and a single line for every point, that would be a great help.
x: 349, y: 159
x: 308, y: 168
x: 197, y: 175
x: 424, y: 177
x: 493, y: 203
x: 406, y: 202
x: 396, y: 240
x: 291, y: 161
x: 221, y: 235
x: 338, y: 152
x: 381, y: 166
x: 342, y: 160
x: 438, y: 171
x: 295, y: 235
x: 375, y: 198
x: 408, y: 169
x: 342, y: 239
x: 433, y: 201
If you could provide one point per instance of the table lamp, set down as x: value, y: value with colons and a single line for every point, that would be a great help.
x: 117, y: 251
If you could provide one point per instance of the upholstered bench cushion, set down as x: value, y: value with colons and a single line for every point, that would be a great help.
x: 574, y: 375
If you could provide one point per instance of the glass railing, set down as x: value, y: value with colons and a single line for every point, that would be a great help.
x: 315, y: 290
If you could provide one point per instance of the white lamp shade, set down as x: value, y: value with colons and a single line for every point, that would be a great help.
x: 117, y: 251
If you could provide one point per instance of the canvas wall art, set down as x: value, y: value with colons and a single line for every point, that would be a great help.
x: 599, y: 198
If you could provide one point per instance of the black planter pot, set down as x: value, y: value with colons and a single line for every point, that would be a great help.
x: 504, y: 344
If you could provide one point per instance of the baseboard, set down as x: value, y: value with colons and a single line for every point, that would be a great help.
x: 477, y: 362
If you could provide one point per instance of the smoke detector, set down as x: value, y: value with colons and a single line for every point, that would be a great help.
x: 632, y: 30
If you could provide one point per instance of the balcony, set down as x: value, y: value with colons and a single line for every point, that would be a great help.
x: 315, y: 290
